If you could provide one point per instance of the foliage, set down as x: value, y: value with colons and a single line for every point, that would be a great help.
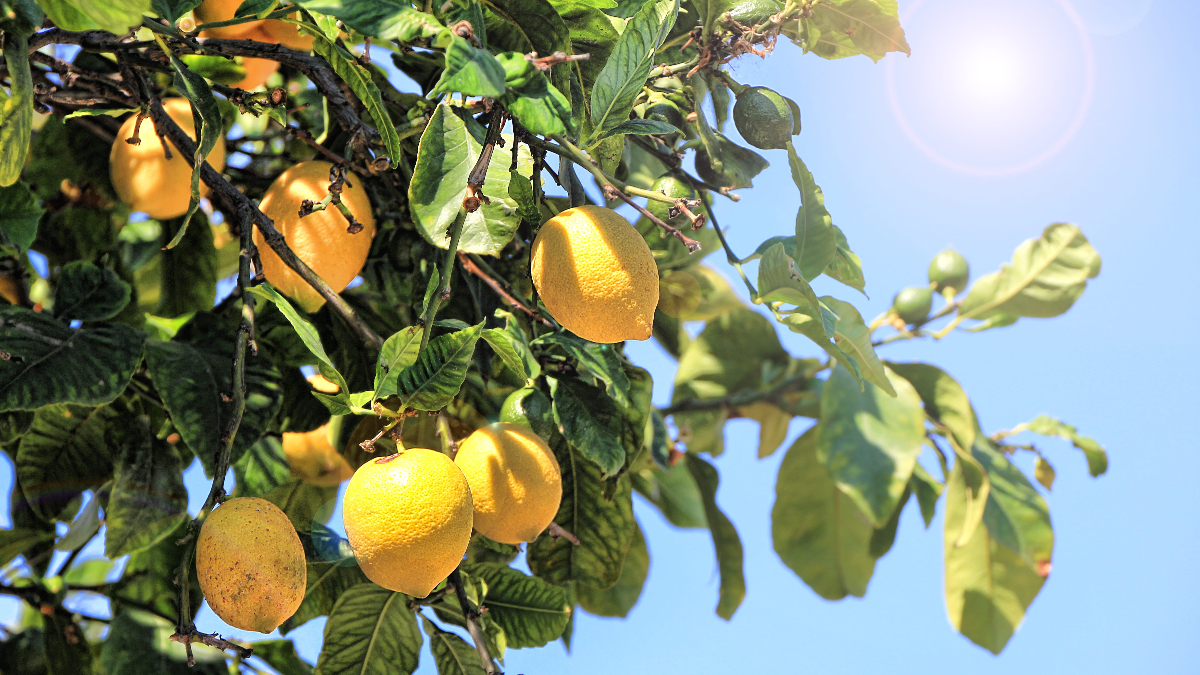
x: 116, y: 370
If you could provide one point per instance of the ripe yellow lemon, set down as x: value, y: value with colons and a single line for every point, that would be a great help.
x: 251, y: 564
x: 408, y: 519
x: 596, y: 275
x: 515, y: 481
x: 223, y: 10
x: 320, y: 239
x: 287, y: 34
x: 313, y: 458
x: 145, y: 178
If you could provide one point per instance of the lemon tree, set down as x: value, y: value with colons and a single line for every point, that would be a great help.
x: 437, y: 224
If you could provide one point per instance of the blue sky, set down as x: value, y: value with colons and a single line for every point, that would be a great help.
x: 990, y: 84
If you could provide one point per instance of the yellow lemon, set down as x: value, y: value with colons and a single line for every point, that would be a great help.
x: 145, y: 178
x: 515, y: 481
x: 318, y: 382
x: 287, y: 34
x: 313, y: 458
x: 223, y: 10
x: 320, y: 239
x: 408, y: 519
x: 596, y: 275
x: 251, y: 564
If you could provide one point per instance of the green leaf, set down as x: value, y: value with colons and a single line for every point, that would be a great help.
x: 172, y: 10
x: 592, y: 33
x: 540, y: 107
x: 21, y: 17
x: 1046, y: 276
x: 189, y: 270
x: 521, y: 190
x: 148, y: 499
x: 816, y: 241
x: 674, y: 492
x: 65, y: 452
x: 969, y: 483
x: 988, y: 586
x: 772, y: 425
x: 1043, y: 471
x: 206, y: 117
x: 88, y: 293
x: 817, y: 530
x: 434, y: 379
x: 15, y: 542
x: 114, y: 16
x: 139, y: 643
x: 16, y: 109
x: 309, y: 336
x: 149, y: 578
x: 639, y: 127
x: 623, y: 595
x: 67, y: 651
x: 399, y: 352
x: 1097, y: 458
x: 840, y: 28
x: 733, y: 165
x: 194, y: 376
x: 359, y: 80
x: 530, y: 611
x: 19, y: 216
x: 370, y: 632
x: 504, y: 347
x: 281, y: 655
x: 884, y: 536
x: 590, y: 422
x: 603, y: 524
x: 627, y: 68
x: 327, y: 581
x: 780, y: 281
x: 383, y: 19
x: 927, y: 489
x: 303, y: 503
x: 470, y: 71
x: 944, y: 398
x: 725, y: 539
x: 845, y: 266
x: 48, y: 362
x: 451, y: 653
x: 869, y: 441
x: 819, y: 324
x: 447, y: 153
x: 601, y: 361
x: 1016, y: 515
x: 854, y: 338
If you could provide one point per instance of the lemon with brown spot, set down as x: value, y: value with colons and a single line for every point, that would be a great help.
x: 142, y: 174
x: 251, y: 564
x: 313, y: 458
x: 515, y: 481
x: 596, y: 275
x: 408, y: 518
x: 321, y: 239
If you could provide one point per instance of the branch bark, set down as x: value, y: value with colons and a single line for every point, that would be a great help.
x: 470, y: 616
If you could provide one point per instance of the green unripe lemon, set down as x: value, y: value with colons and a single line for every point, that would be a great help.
x: 530, y: 408
x: 663, y: 110
x: 763, y: 118
x: 949, y: 270
x: 913, y: 304
x: 675, y: 189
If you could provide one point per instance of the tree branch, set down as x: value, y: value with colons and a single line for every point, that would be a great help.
x: 740, y: 398
x: 470, y: 616
x: 471, y: 266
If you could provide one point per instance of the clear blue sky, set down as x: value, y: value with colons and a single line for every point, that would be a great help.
x: 990, y: 84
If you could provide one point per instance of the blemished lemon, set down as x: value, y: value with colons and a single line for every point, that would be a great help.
x: 596, y: 275
x: 408, y: 518
x: 145, y: 178
x: 320, y: 239
x: 313, y: 459
x: 515, y: 481
x: 223, y: 10
x: 251, y: 564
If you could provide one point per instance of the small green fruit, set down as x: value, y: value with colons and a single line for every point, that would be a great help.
x: 763, y: 118
x: 675, y: 189
x: 913, y: 304
x: 949, y: 270
x: 663, y: 110
x: 529, y: 408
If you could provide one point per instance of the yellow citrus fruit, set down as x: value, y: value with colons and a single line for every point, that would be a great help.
x: 318, y: 382
x: 596, y: 275
x: 251, y: 564
x: 408, y: 519
x: 515, y: 481
x: 320, y: 239
x: 145, y: 178
x: 313, y: 458
x: 223, y: 10
x: 287, y: 34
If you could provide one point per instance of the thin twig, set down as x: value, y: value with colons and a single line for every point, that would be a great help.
x: 740, y: 398
x: 611, y: 192
x: 470, y: 616
x: 499, y: 287
x: 555, y: 530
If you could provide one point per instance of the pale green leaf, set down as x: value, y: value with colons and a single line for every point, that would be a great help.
x: 816, y: 242
x: 725, y: 538
x: 1097, y: 458
x: 626, y: 69
x: 359, y: 80
x: 114, y: 16
x: 399, y: 352
x: 470, y: 71
x: 16, y: 109
x: 383, y: 19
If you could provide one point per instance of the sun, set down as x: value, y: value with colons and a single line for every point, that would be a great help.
x: 991, y: 75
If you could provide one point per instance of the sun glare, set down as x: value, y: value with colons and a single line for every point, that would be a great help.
x: 990, y: 75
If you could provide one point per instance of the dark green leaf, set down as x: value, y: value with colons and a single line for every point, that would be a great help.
x: 150, y: 575
x: 725, y: 539
x: 148, y: 499
x: 452, y: 654
x: 89, y: 293
x: 138, y: 643
x: 17, y: 541
x: 622, y: 596
x: 540, y: 107
x: 21, y: 17
x: 1097, y: 458
x: 674, y: 492
x: 359, y: 80
x: 327, y: 581
x: 869, y: 441
x: 67, y: 650
x: 206, y: 117
x: 435, y: 378
x: 592, y: 33
x: 383, y: 19
x: 601, y: 361
x: 883, y: 537
x: 530, y: 611
x: 816, y: 241
x: 16, y: 109
x: 309, y: 336
x: 281, y: 655
x: 19, y: 215
x: 189, y: 270
x: 1016, y: 515
x: 470, y: 71
x: 370, y: 632
x: 172, y: 10
x: 642, y: 128
x: 47, y: 362
x: 625, y: 72
x: 591, y: 423
x: 732, y: 166
x: 818, y: 531
x: 86, y: 523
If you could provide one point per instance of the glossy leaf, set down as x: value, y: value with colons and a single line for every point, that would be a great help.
x: 383, y: 19
x: 438, y: 373
x: 452, y: 654
x: 541, y: 107
x: 370, y: 632
x: 359, y: 79
x: 504, y: 347
x: 399, y: 352
x: 590, y: 422
x: 623, y: 595
x: 598, y: 360
x: 625, y: 72
x: 148, y: 500
x: 114, y: 16
x: 51, y: 363
x: 530, y: 611
x: 725, y: 538
x: 19, y: 216
x: 470, y: 71
x: 817, y: 530
x: 869, y: 441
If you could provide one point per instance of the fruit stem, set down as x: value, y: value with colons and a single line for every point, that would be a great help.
x: 729, y: 81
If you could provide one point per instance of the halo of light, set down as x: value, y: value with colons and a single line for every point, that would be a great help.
x: 1085, y: 102
x: 1130, y: 19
